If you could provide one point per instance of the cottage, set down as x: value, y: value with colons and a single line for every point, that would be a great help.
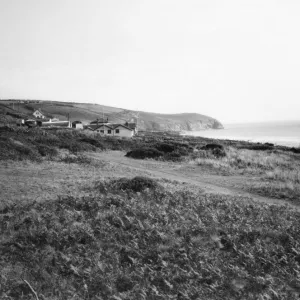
x: 38, y: 114
x: 122, y: 130
x: 105, y: 130
x: 77, y: 125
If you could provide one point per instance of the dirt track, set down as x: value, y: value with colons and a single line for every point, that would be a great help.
x: 229, y: 185
x: 47, y: 180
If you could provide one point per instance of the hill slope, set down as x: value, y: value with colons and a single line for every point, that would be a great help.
x: 88, y: 112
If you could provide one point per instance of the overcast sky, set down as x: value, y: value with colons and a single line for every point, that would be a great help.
x: 235, y: 60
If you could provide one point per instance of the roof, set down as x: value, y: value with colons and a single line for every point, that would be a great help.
x: 38, y: 111
x: 53, y: 124
x: 104, y: 125
x: 118, y: 125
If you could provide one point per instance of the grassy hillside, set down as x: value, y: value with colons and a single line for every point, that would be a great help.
x: 89, y: 112
x: 140, y: 238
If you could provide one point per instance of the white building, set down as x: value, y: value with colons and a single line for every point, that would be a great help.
x: 37, y: 114
x: 77, y: 125
x: 122, y: 130
x: 105, y: 130
x: 115, y: 130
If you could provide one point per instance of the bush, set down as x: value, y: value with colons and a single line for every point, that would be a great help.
x: 47, y: 150
x: 202, y: 154
x: 218, y: 153
x: 15, y: 150
x: 47, y: 139
x: 164, y: 147
x: 183, y: 151
x: 173, y: 156
x: 258, y: 147
x: 295, y: 150
x: 136, y: 184
x: 75, y: 147
x: 24, y: 150
x: 143, y: 153
x: 93, y: 142
x: 213, y: 146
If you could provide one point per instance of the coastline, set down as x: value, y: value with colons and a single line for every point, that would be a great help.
x: 278, y: 133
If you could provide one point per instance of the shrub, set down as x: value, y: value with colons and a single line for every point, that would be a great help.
x: 164, y: 147
x: 213, y: 146
x: 75, y: 147
x: 47, y: 150
x: 142, y: 153
x: 216, y: 150
x: 218, y: 153
x: 15, y: 150
x: 24, y: 150
x: 201, y: 154
x: 173, y: 156
x: 93, y: 142
x: 183, y: 151
x: 258, y: 147
x: 47, y: 139
x: 136, y: 184
x: 295, y: 150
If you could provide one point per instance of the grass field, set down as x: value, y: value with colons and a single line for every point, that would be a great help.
x: 278, y: 171
x: 76, y: 227
x: 142, y: 241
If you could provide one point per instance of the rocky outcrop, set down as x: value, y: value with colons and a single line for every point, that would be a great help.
x: 181, y: 122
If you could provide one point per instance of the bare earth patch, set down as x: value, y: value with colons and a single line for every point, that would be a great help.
x: 46, y: 180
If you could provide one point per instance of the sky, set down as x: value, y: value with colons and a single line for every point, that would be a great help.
x: 234, y: 60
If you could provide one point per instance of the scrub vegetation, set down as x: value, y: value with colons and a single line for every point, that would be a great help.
x: 139, y: 238
x: 134, y: 239
x: 276, y: 166
x: 279, y: 171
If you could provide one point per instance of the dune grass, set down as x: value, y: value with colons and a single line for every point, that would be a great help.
x: 278, y: 171
x: 148, y: 243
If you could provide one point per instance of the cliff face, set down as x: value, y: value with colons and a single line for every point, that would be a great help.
x: 177, y: 122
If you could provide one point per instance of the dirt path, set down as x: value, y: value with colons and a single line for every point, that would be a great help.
x: 47, y: 180
x: 228, y: 185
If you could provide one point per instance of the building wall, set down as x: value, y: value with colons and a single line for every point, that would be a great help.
x: 78, y: 126
x: 38, y: 114
x: 105, y: 129
x: 56, y: 124
x: 123, y: 132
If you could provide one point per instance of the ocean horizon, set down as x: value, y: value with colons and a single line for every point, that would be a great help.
x: 285, y: 133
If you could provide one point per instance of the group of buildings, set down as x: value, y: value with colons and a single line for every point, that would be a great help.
x: 99, y: 126
x: 128, y: 129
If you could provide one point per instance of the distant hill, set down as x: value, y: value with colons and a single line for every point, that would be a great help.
x: 86, y: 113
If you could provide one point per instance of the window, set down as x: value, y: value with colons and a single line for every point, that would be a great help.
x: 108, y: 131
x: 117, y: 130
x: 102, y: 131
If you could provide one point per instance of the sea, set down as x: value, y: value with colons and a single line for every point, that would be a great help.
x: 279, y: 133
